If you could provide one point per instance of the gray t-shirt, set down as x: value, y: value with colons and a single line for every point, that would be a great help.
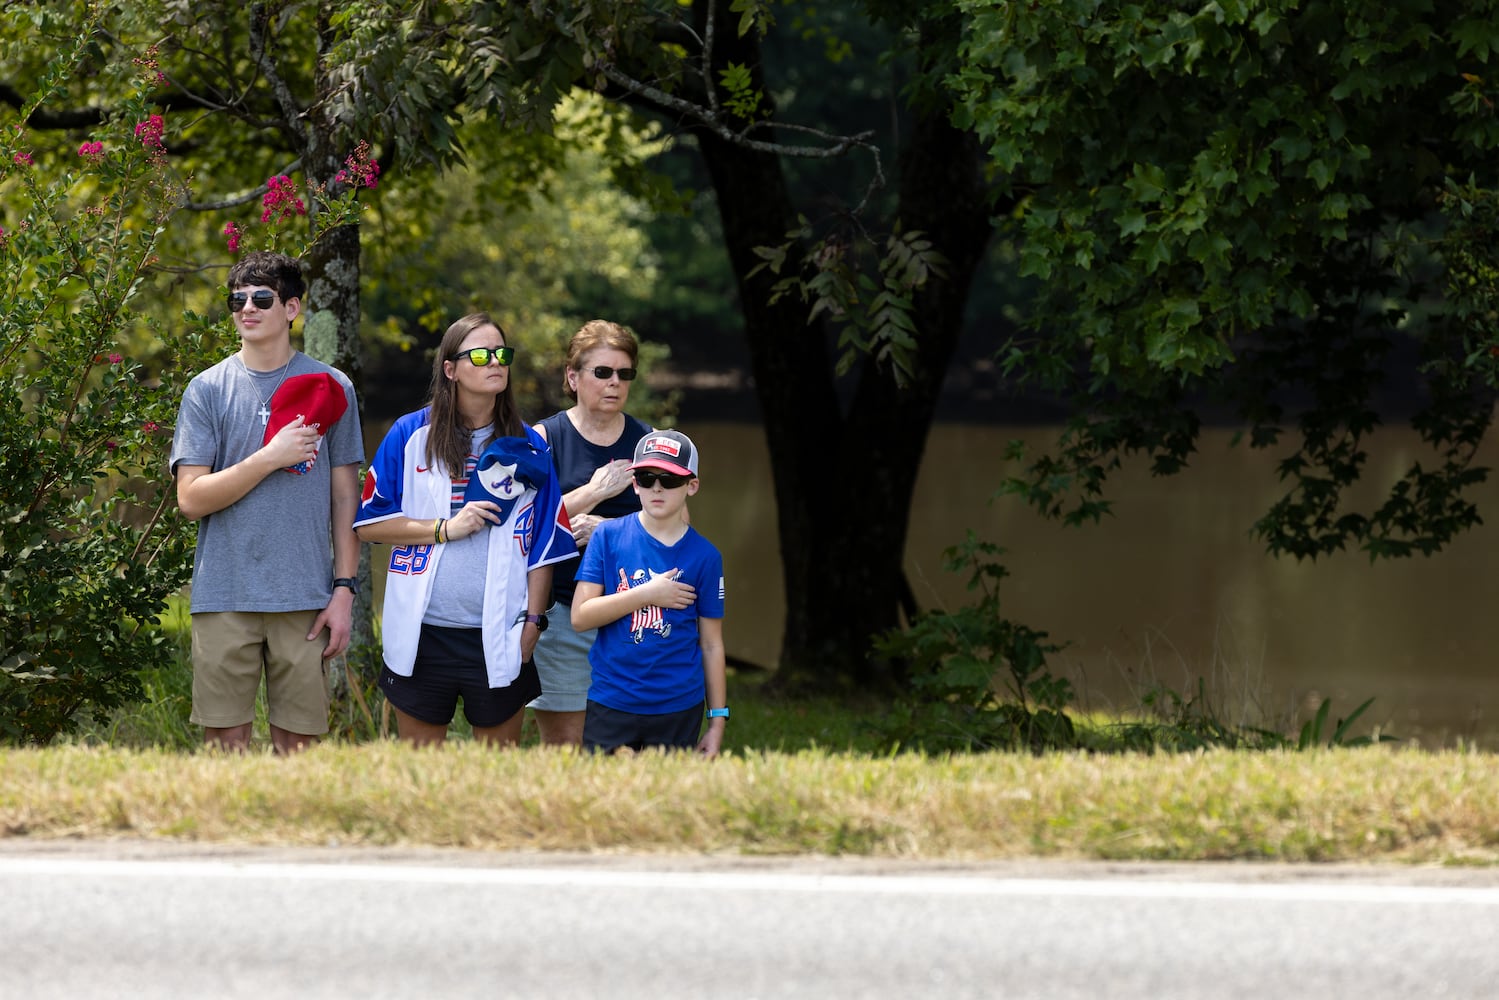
x: 458, y: 589
x: 270, y: 551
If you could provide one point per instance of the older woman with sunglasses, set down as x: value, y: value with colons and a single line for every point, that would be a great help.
x: 593, y: 443
x: 465, y: 495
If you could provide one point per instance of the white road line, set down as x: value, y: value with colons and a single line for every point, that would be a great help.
x: 882, y: 885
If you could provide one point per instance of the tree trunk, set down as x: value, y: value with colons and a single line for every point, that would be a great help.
x: 844, y: 482
x: 330, y: 333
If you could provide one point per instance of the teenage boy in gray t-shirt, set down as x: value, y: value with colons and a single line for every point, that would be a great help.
x: 266, y: 456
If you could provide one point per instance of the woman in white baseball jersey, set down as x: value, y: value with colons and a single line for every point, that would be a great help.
x: 470, y: 568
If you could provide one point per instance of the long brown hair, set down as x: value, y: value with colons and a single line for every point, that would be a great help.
x: 448, y: 439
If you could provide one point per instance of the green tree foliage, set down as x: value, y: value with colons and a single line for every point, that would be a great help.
x: 1249, y: 209
x: 248, y: 97
x: 823, y: 270
x: 544, y: 259
x: 250, y: 91
x: 290, y: 90
x: 91, y: 544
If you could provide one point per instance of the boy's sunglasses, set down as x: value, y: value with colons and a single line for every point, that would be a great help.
x: 263, y: 299
x: 604, y: 372
x: 479, y: 357
x: 646, y: 478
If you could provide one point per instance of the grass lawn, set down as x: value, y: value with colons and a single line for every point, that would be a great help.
x: 807, y: 776
x: 795, y: 779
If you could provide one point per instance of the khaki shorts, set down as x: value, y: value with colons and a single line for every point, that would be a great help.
x: 231, y: 649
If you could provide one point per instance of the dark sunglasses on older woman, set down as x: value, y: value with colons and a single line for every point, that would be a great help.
x: 603, y: 373
x: 479, y: 357
x: 262, y: 297
x: 648, y: 478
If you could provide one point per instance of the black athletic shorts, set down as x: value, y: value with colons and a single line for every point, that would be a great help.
x: 449, y: 666
x: 608, y: 729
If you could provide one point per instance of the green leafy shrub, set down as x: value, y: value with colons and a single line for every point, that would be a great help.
x: 161, y: 717
x: 978, y: 680
x: 91, y: 544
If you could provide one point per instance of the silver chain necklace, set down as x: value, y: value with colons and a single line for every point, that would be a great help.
x: 265, y: 404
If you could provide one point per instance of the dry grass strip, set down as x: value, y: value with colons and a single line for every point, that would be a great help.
x: 1371, y: 804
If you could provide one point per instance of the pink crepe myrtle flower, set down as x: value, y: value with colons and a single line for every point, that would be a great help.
x: 150, y: 131
x: 360, y: 169
x: 151, y: 69
x: 281, y: 201
x: 24, y: 159
x: 91, y: 150
x: 115, y: 359
x: 232, y: 234
x: 150, y: 427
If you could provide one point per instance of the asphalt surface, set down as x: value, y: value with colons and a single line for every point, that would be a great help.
x: 159, y: 919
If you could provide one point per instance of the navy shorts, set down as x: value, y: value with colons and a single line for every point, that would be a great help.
x: 608, y: 729
x: 449, y: 666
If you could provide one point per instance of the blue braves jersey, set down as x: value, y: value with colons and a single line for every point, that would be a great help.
x: 535, y: 533
x: 649, y: 662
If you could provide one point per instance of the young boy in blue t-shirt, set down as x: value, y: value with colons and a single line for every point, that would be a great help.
x: 658, y: 660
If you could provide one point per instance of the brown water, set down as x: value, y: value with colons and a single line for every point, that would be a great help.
x: 1171, y: 589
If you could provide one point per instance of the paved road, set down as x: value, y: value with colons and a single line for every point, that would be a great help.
x: 151, y: 920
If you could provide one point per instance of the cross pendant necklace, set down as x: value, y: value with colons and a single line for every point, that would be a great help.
x: 264, y: 413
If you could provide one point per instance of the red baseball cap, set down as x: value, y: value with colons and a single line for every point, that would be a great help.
x: 317, y: 397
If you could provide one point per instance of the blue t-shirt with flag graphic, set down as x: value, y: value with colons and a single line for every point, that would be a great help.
x: 649, y: 662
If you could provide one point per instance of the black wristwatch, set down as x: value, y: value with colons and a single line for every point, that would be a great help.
x: 347, y: 581
x: 540, y: 621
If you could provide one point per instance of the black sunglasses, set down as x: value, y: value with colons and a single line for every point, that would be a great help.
x: 263, y: 299
x: 603, y: 372
x: 479, y: 356
x: 646, y: 478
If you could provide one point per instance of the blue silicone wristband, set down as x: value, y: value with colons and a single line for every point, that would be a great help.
x: 718, y: 713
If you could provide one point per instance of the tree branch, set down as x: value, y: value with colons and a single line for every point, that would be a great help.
x: 709, y: 118
x: 705, y: 110
x: 704, y: 116
x: 707, y: 70
x: 291, y: 112
x: 70, y: 119
x: 236, y: 200
x: 65, y: 119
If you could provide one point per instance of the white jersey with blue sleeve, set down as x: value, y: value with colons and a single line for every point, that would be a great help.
x: 535, y: 532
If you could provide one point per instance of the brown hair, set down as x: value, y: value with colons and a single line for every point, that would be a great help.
x: 271, y: 269
x: 595, y: 334
x: 448, y: 439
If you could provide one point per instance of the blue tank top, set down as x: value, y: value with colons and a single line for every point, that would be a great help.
x: 576, y: 460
